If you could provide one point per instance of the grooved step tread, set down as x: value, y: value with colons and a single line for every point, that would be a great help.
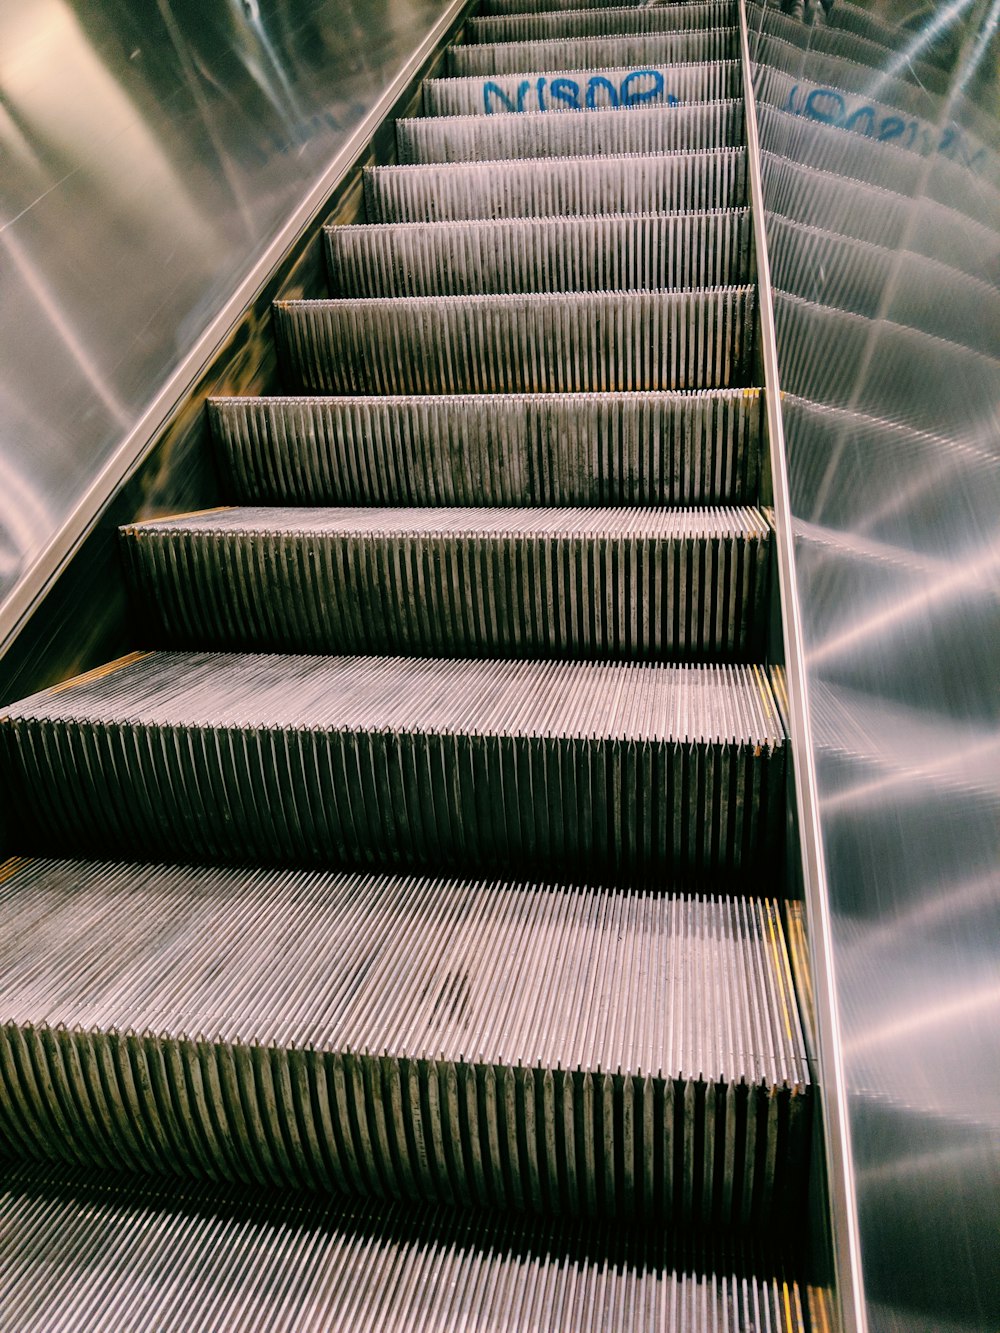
x: 575, y: 90
x: 473, y: 449
x: 599, y: 132
x: 593, y: 583
x: 599, y: 21
x: 88, y: 1250
x: 557, y: 187
x: 527, y: 1045
x: 603, y: 767
x: 538, y: 342
x: 642, y: 251
x: 567, y: 53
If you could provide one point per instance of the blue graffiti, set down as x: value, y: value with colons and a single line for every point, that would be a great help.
x: 830, y: 107
x: 567, y: 92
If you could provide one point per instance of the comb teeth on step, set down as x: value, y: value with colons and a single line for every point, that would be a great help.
x: 557, y: 187
x: 642, y: 252
x: 536, y: 343
x: 598, y: 133
x: 512, y: 449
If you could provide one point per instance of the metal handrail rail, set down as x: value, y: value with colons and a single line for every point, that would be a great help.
x: 833, y: 1093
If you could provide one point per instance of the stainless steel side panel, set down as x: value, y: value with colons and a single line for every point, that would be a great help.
x: 152, y: 154
x: 892, y: 428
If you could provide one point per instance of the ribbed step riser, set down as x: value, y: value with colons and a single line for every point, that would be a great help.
x: 558, y: 255
x: 599, y: 22
x: 545, y: 1141
x: 614, y: 449
x: 594, y: 342
x: 497, y: 7
x: 244, y: 1261
x: 591, y: 133
x: 630, y: 597
x: 557, y: 187
x: 576, y: 90
x: 636, y: 52
x: 402, y: 762
x: 403, y: 800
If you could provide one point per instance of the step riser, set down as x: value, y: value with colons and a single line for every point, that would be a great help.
x: 526, y: 1139
x: 571, y: 53
x: 614, y: 449
x: 557, y: 187
x: 541, y: 344
x: 316, y: 1265
x: 595, y: 23
x: 590, y: 133
x: 364, y: 798
x: 604, y: 254
x: 559, y: 90
x: 497, y: 7
x: 629, y: 598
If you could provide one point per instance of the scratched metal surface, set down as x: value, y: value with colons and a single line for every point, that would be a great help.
x: 881, y: 170
x: 149, y: 155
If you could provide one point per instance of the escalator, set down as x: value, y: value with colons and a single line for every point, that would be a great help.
x: 398, y: 939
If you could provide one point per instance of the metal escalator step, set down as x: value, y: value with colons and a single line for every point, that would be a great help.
x: 488, y: 7
x: 627, y: 584
x: 557, y: 90
x: 567, y: 53
x: 597, y: 768
x: 538, y: 343
x: 599, y: 22
x: 598, y: 133
x: 517, y: 449
x: 651, y: 251
x: 95, y: 1250
x: 555, y: 187
x: 542, y: 1048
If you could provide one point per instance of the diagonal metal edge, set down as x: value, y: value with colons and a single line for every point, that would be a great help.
x: 832, y: 1088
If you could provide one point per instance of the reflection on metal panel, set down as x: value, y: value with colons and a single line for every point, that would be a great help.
x: 881, y: 164
x: 149, y: 154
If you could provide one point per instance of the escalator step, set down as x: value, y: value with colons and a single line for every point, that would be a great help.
x: 597, y: 768
x: 542, y: 1048
x: 519, y: 449
x: 95, y: 1250
x: 599, y: 22
x: 488, y: 7
x: 651, y: 251
x: 539, y: 343
x: 566, y: 53
x: 625, y: 584
x: 599, y: 133
x: 556, y: 90
x: 554, y: 187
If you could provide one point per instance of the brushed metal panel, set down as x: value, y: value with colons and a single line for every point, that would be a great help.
x: 151, y: 153
x: 892, y: 429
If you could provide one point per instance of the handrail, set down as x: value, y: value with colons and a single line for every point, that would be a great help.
x: 832, y: 1090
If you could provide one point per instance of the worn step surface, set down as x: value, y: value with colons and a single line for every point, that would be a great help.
x: 596, y: 133
x: 526, y: 1046
x: 599, y: 21
x: 100, y: 1251
x: 568, y: 53
x: 474, y: 449
x: 557, y: 187
x: 651, y: 251
x: 631, y: 584
x: 535, y: 343
x: 600, y: 769
x: 575, y: 90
